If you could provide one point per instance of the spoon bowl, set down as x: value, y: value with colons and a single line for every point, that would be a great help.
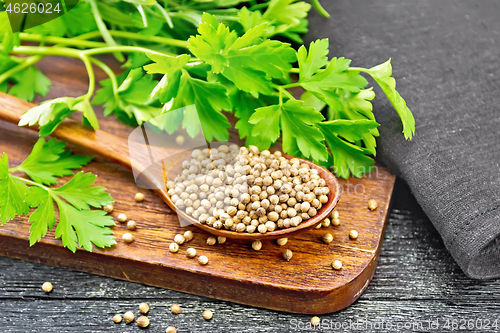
x: 116, y: 150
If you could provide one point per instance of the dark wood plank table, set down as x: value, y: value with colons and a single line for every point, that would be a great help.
x: 416, y: 281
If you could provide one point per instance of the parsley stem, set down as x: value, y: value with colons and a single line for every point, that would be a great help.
x: 90, y: 72
x: 30, y: 182
x: 104, y: 29
x: 112, y: 49
x: 25, y: 63
x: 105, y: 68
x: 291, y: 85
x: 136, y: 36
x: 320, y: 8
x: 59, y: 40
x: 295, y: 70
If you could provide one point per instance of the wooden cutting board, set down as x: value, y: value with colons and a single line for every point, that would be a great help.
x: 307, y: 284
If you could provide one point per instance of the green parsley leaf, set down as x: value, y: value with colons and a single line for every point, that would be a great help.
x: 43, y: 218
x: 49, y: 114
x: 49, y: 160
x: 12, y: 194
x: 29, y: 82
x: 317, y: 57
x: 249, y: 61
x: 80, y: 193
x: 382, y: 74
x: 78, y: 225
x: 297, y: 123
x: 348, y: 157
x: 83, y: 227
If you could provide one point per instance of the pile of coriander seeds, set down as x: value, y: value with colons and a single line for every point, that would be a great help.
x: 244, y: 190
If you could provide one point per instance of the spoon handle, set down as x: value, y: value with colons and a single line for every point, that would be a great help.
x: 101, y: 143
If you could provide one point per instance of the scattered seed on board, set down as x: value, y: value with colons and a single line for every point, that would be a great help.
x: 144, y: 308
x: 128, y: 237
x: 256, y: 245
x: 139, y: 197
x: 281, y: 241
x: 325, y: 223
x: 334, y: 214
x: 287, y: 255
x: 108, y: 208
x: 117, y: 319
x: 179, y: 239
x: 174, y: 247
x: 318, y: 226
x: 180, y: 140
x: 315, y: 321
x: 47, y: 287
x: 142, y: 321
x: 203, y: 260
x: 353, y: 234
x: 337, y: 264
x: 327, y: 238
x: 335, y: 222
x: 171, y: 329
x: 191, y: 252
x: 211, y: 240
x: 131, y: 225
x: 128, y: 317
x: 176, y: 309
x: 372, y: 204
x: 188, y: 235
x: 121, y: 217
x: 221, y: 239
x: 208, y: 314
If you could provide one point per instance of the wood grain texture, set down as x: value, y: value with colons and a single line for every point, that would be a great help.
x: 306, y: 284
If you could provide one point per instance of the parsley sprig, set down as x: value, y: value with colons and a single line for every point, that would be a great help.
x: 221, y: 56
x: 78, y: 224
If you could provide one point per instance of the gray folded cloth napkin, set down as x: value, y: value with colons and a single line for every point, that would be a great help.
x: 446, y: 61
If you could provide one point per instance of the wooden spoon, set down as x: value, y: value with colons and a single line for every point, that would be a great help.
x: 116, y: 150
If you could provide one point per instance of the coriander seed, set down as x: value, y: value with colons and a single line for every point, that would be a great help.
x: 282, y: 241
x: 131, y: 225
x: 174, y: 247
x: 326, y: 222
x: 128, y: 317
x: 221, y: 239
x: 121, y: 217
x: 176, y: 309
x: 256, y: 245
x: 188, y: 235
x: 372, y: 204
x: 208, y: 314
x: 171, y: 329
x: 179, y: 139
x: 139, y: 197
x: 128, y: 238
x: 144, y: 308
x: 327, y: 238
x: 47, y: 287
x: 335, y: 222
x: 353, y: 234
x: 315, y: 321
x: 191, y: 252
x: 108, y: 208
x: 179, y: 239
x: 142, y: 321
x: 287, y: 255
x: 336, y: 265
x: 334, y: 214
x: 211, y: 240
x: 117, y: 319
x: 203, y: 260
